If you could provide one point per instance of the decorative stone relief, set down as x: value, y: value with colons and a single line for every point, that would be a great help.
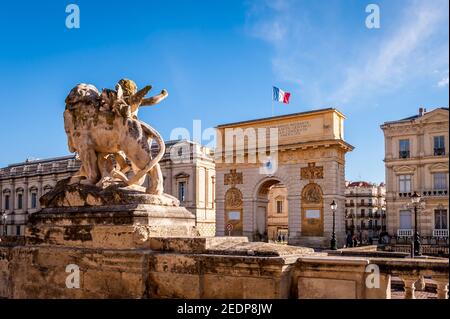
x: 311, y: 172
x: 312, y: 193
x: 233, y: 178
x: 233, y: 198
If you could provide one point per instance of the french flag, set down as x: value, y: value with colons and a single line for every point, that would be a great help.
x: 280, y: 95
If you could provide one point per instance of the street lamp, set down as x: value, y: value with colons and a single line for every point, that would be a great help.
x: 4, y: 218
x: 333, y: 243
x: 417, y: 247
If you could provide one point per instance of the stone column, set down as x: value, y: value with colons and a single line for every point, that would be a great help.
x: 294, y: 218
x: 220, y: 217
x: 442, y: 287
x: 410, y: 287
x: 420, y: 284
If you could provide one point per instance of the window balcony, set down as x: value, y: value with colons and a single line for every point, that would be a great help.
x: 404, y: 232
x: 439, y: 151
x: 434, y: 192
x: 403, y: 194
x: 403, y: 154
x: 349, y: 204
x: 440, y: 233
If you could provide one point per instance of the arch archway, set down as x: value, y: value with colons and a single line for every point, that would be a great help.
x: 271, y: 211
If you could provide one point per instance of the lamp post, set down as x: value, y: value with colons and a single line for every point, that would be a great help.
x: 4, y: 218
x: 417, y: 247
x: 333, y: 243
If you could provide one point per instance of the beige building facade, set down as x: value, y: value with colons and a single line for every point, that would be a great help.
x: 304, y: 173
x: 416, y: 160
x: 187, y: 167
x: 365, y: 210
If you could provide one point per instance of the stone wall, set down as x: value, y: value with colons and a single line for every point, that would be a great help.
x: 220, y: 267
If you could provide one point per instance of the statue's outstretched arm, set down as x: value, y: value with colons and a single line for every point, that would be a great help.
x: 155, y: 99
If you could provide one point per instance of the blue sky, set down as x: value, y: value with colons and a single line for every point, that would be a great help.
x: 219, y: 60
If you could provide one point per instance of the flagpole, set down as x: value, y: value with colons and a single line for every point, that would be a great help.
x: 272, y: 108
x: 272, y: 102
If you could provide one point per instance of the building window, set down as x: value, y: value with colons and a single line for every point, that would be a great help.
x: 182, y: 191
x: 440, y: 180
x: 404, y: 183
x: 404, y: 148
x: 439, y: 145
x: 19, y: 201
x: 363, y: 212
x: 370, y: 212
x: 6, y: 202
x: 405, y: 219
x: 279, y: 207
x: 17, y: 230
x: 33, y: 200
x: 440, y: 219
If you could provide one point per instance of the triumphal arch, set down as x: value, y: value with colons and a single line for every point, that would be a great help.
x: 277, y: 176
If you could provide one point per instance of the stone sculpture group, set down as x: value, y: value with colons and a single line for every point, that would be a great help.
x: 110, y: 140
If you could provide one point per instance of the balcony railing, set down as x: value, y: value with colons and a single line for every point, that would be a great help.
x: 434, y: 192
x: 404, y: 232
x: 439, y: 151
x: 403, y: 154
x: 403, y: 194
x: 349, y: 204
x: 440, y: 233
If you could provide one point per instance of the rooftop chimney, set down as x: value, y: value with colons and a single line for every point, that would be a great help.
x: 422, y: 111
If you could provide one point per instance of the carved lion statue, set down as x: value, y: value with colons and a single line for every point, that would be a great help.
x: 103, y: 131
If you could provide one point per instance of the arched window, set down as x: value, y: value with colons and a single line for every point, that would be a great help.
x: 33, y: 197
x: 6, y: 199
x: 19, y: 192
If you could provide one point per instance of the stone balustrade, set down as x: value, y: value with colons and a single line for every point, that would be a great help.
x: 366, y: 278
x: 404, y: 232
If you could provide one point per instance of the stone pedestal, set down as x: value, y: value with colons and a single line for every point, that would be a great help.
x: 117, y: 226
x: 117, y: 217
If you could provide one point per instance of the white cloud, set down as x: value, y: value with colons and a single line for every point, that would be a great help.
x: 411, y: 45
x: 404, y: 55
x: 444, y: 81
